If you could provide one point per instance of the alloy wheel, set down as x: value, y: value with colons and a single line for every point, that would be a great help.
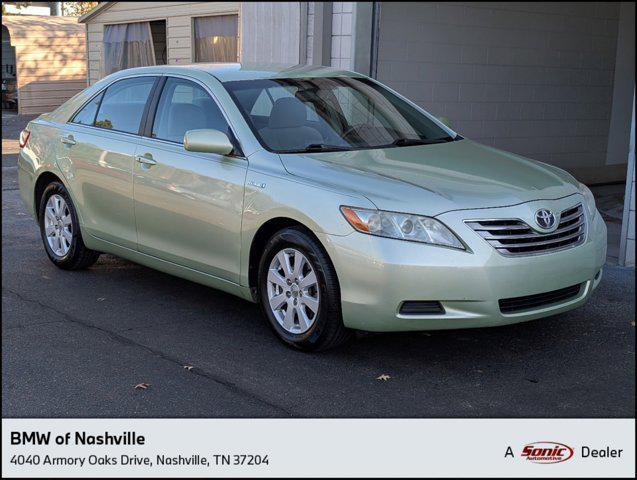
x: 58, y: 226
x: 293, y: 291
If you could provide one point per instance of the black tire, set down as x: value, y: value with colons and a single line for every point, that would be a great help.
x: 327, y: 330
x: 78, y: 256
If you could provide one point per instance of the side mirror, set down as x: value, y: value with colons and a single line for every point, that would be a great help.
x: 208, y: 140
x: 445, y: 121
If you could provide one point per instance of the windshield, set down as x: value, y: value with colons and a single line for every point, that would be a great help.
x: 330, y: 114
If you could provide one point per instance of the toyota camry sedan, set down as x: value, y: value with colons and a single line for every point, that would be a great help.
x: 329, y: 199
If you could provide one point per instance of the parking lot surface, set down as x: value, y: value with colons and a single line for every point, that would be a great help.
x: 75, y: 344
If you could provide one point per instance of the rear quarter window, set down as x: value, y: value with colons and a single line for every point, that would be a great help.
x: 86, y: 116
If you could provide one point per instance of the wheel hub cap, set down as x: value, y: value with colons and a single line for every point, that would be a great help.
x: 293, y: 292
x: 58, y: 227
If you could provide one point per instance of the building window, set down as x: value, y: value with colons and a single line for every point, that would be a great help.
x: 216, y: 38
x: 128, y: 45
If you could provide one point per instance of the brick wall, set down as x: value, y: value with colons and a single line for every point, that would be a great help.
x: 310, y: 32
x: 532, y: 78
x: 342, y: 26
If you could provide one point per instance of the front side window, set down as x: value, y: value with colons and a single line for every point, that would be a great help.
x: 184, y: 106
x: 123, y: 104
x: 323, y: 114
x: 216, y: 38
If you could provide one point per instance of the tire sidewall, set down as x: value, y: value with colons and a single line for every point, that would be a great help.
x: 296, y: 239
x: 57, y: 188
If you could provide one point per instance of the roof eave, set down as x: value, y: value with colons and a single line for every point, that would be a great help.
x: 96, y: 11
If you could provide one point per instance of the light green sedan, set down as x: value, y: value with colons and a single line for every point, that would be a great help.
x: 326, y: 197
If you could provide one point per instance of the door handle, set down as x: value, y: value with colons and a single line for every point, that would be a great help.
x: 145, y: 160
x: 68, y: 140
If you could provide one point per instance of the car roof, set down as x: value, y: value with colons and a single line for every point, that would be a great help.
x: 227, y: 72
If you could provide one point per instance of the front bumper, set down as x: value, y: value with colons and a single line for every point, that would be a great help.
x: 377, y: 274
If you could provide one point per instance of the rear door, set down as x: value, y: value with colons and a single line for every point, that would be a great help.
x: 96, y: 155
x: 188, y: 205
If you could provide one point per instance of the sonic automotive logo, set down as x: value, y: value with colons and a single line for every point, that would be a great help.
x: 547, y: 452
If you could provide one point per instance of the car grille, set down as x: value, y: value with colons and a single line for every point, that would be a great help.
x: 517, y: 304
x: 516, y: 238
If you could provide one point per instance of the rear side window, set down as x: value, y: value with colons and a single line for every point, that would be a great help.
x: 123, y: 104
x: 184, y: 106
x: 86, y: 116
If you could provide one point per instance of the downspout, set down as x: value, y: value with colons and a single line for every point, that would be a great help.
x: 56, y: 9
x: 373, y: 54
x: 303, y: 33
x: 628, y: 191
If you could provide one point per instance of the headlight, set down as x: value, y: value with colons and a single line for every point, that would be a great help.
x: 589, y: 200
x: 401, y: 226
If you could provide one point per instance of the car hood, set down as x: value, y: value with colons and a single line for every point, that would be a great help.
x: 433, y: 179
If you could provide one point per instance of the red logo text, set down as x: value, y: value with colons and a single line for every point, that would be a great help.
x: 547, y: 452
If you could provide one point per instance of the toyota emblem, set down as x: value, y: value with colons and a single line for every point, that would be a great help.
x: 545, y: 219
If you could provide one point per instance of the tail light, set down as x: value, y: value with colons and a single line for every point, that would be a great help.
x: 24, y: 138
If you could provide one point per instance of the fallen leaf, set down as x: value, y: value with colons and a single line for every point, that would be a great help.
x: 188, y: 367
x: 101, y: 299
x: 142, y: 386
x: 383, y: 377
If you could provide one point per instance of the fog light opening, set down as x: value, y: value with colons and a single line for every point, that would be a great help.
x: 421, y: 307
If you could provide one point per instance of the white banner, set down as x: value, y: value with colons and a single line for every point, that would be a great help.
x: 318, y: 447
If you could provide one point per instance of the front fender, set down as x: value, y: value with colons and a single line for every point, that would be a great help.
x: 269, y: 196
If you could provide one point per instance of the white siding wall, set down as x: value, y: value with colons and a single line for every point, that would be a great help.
x: 342, y: 27
x: 271, y: 32
x: 535, y: 79
x: 50, y: 60
x: 178, y: 16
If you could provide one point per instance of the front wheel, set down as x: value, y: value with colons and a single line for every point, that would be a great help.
x: 299, y: 292
x: 60, y: 230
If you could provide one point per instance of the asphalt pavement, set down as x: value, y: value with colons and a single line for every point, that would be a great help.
x: 75, y: 344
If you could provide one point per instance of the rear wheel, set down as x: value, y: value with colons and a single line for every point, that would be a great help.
x: 60, y: 230
x: 299, y: 292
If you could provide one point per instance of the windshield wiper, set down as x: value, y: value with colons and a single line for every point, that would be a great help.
x: 322, y: 147
x: 404, y: 142
x: 450, y: 139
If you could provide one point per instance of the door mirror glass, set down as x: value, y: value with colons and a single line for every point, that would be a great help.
x: 208, y: 140
x: 445, y: 121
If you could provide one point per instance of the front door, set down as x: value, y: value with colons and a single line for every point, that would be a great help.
x: 188, y: 205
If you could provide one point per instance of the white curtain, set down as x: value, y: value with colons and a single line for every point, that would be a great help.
x: 127, y: 45
x: 216, y: 38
